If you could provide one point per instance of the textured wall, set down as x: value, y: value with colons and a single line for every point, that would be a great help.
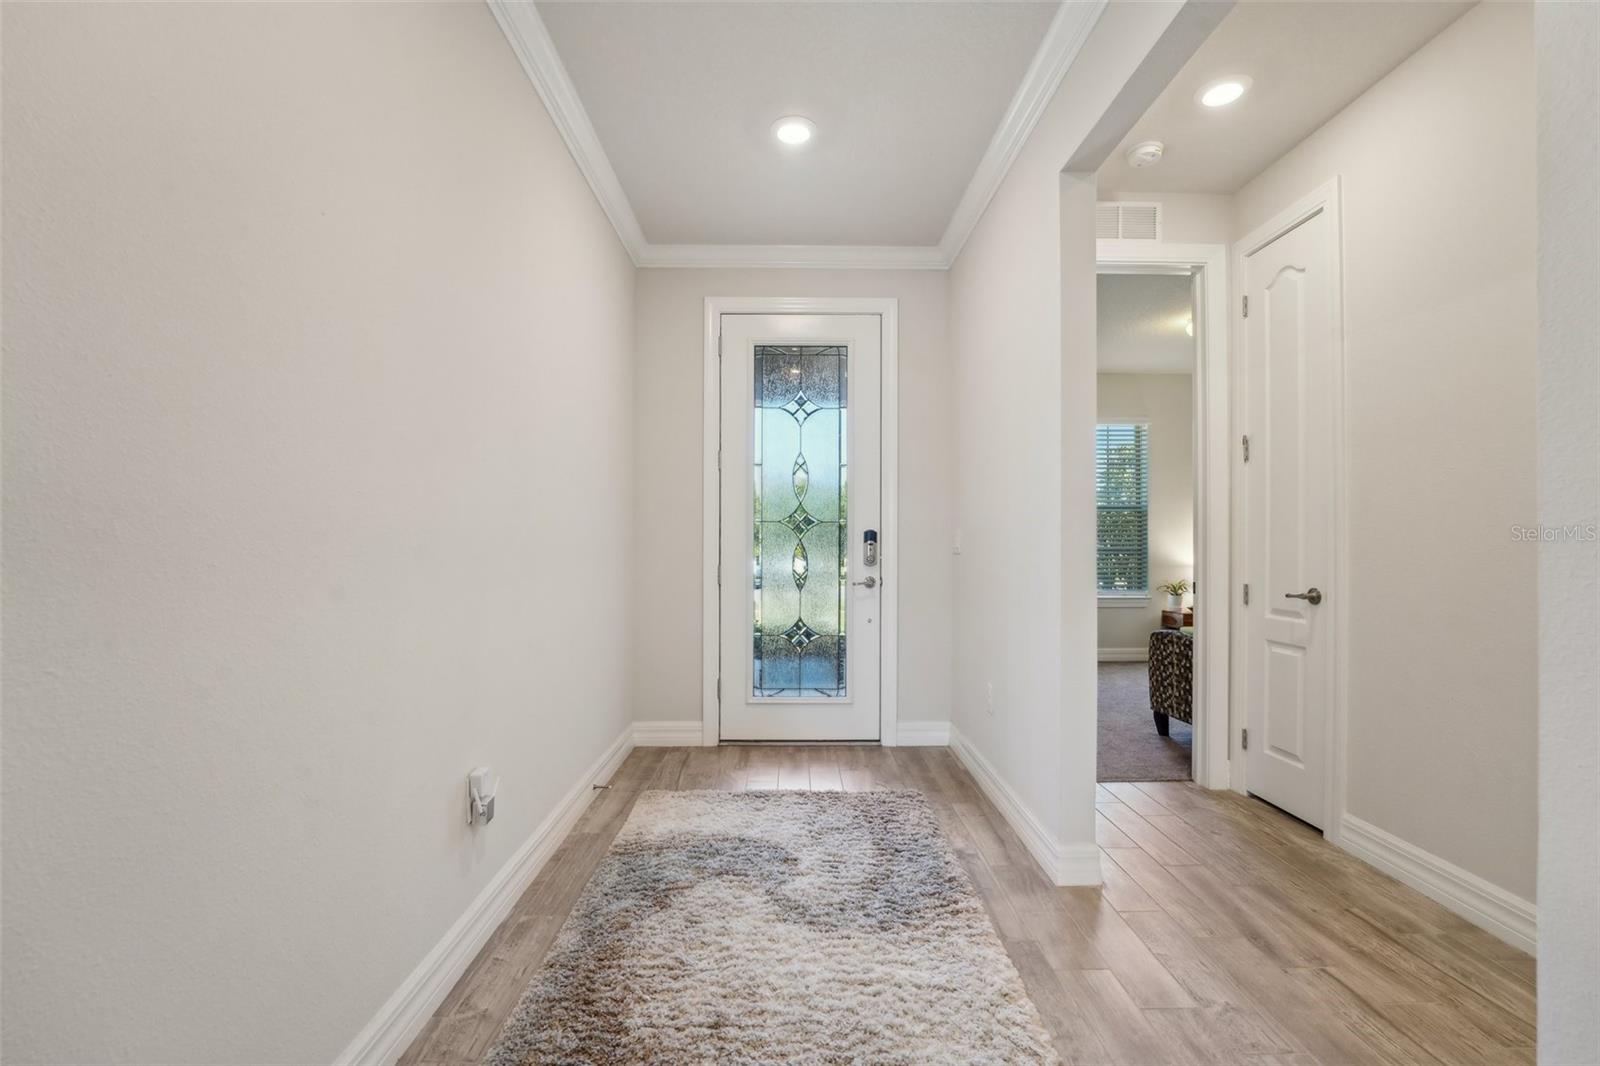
x: 317, y: 463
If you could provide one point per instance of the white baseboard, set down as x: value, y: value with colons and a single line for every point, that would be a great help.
x: 1487, y: 906
x: 930, y: 734
x: 1124, y: 655
x: 399, y: 1020
x: 685, y: 734
x: 1064, y: 864
x: 690, y: 734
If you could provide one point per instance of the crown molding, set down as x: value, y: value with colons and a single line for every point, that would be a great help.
x: 816, y: 256
x: 1062, y: 41
x: 520, y: 22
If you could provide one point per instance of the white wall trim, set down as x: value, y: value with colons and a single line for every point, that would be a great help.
x: 929, y: 734
x: 1116, y: 603
x: 1123, y: 655
x: 820, y: 256
x: 1487, y: 906
x: 520, y: 22
x: 690, y: 733
x: 1213, y: 457
x: 1062, y: 41
x: 1063, y: 863
x: 402, y: 1017
x: 711, y: 532
x: 889, y: 516
x: 888, y: 310
x: 684, y: 734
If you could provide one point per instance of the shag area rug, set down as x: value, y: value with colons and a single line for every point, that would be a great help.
x: 777, y: 927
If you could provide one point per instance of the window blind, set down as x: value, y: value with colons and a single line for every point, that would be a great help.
x: 1122, y: 498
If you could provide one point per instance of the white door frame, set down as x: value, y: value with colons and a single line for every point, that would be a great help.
x: 1213, y: 442
x: 1325, y: 199
x: 888, y: 309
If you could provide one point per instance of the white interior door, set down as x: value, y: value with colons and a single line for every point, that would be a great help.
x: 800, y: 580
x: 1290, y: 396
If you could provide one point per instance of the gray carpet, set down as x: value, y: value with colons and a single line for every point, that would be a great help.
x: 1130, y: 749
x: 778, y: 927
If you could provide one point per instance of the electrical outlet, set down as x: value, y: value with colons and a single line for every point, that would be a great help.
x: 989, y: 702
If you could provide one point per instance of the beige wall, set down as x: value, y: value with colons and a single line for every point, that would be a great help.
x: 1568, y: 44
x: 1166, y: 402
x: 318, y: 446
x: 1437, y: 165
x: 668, y: 382
x: 1024, y: 583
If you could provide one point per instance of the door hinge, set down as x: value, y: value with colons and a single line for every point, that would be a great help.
x: 1247, y: 594
x: 719, y: 344
x: 1244, y: 740
x: 1245, y: 441
x: 1245, y: 305
x: 719, y: 690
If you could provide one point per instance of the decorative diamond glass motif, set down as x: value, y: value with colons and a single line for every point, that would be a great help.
x: 800, y: 563
x: 800, y: 634
x: 800, y: 408
x: 799, y: 521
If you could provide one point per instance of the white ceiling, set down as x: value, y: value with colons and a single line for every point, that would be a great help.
x: 1141, y: 319
x: 906, y: 98
x: 1308, y: 60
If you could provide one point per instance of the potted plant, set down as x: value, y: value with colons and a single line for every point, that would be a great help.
x: 1175, y: 591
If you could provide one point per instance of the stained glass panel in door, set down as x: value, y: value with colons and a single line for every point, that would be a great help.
x: 800, y: 558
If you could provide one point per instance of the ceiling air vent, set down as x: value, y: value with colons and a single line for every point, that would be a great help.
x: 1128, y: 220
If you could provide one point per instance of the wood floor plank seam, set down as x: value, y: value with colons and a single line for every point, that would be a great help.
x: 1225, y: 931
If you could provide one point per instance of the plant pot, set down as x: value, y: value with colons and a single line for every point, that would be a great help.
x: 1174, y: 603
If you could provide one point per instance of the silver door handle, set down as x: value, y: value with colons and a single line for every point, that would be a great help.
x: 1311, y: 595
x: 869, y: 581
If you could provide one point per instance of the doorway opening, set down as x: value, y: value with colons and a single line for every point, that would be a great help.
x: 1144, y: 488
x: 1162, y: 518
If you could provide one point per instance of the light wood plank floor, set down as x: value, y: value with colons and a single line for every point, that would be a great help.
x: 1225, y: 932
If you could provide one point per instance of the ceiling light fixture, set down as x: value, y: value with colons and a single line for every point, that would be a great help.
x: 1224, y: 91
x: 793, y: 130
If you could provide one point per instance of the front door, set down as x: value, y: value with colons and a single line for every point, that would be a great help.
x: 800, y: 584
x: 1291, y: 389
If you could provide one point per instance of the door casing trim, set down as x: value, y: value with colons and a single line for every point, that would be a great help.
x: 1213, y: 439
x: 888, y: 310
x: 1324, y: 199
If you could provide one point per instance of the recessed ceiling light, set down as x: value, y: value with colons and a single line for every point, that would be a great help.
x: 1223, y: 91
x: 793, y: 130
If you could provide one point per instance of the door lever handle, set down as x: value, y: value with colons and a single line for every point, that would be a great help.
x: 869, y: 581
x: 1312, y: 595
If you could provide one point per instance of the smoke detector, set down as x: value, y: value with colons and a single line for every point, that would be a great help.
x: 1145, y: 154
